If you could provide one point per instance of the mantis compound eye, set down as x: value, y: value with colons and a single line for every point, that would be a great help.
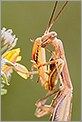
x: 53, y: 34
x: 47, y: 39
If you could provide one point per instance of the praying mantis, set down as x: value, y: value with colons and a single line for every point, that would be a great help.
x: 51, y: 72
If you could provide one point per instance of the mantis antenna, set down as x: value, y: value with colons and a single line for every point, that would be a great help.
x: 51, y: 24
x: 52, y: 14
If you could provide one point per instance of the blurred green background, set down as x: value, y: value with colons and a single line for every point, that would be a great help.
x: 28, y: 20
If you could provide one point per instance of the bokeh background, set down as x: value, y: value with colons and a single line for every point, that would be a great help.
x: 28, y: 20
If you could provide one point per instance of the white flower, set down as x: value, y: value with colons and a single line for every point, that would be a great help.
x: 8, y: 41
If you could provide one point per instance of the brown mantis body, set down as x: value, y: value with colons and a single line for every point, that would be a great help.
x: 60, y: 107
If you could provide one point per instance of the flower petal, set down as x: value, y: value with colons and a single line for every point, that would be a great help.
x: 21, y: 70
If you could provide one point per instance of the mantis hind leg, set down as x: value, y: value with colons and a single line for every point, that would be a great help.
x: 43, y: 109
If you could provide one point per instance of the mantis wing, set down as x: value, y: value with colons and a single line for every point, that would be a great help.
x: 62, y: 111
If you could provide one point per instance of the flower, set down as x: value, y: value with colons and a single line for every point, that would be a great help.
x: 8, y: 41
x: 9, y: 59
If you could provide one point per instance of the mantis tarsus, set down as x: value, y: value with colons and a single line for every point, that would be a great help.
x: 60, y: 107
